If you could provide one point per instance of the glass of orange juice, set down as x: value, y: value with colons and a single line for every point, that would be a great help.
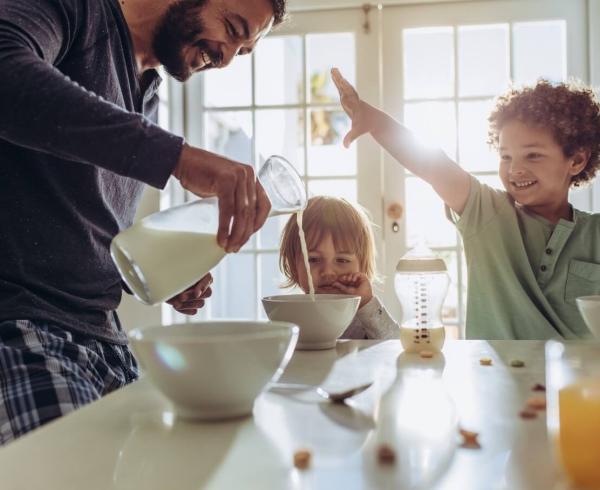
x: 573, y: 404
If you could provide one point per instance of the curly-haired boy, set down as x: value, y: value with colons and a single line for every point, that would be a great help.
x: 529, y: 252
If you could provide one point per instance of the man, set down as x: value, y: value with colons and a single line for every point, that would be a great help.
x: 77, y: 143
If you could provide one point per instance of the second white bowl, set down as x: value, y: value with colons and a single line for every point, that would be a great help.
x: 589, y: 307
x: 214, y: 369
x: 321, y: 321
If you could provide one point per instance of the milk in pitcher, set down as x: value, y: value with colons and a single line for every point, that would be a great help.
x: 167, y: 252
x: 154, y: 279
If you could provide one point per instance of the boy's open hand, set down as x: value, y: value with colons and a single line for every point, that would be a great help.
x: 356, y: 284
x: 352, y: 105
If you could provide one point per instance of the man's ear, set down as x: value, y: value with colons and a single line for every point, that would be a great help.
x: 579, y: 160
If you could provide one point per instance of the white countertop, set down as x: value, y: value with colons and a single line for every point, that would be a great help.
x: 130, y: 439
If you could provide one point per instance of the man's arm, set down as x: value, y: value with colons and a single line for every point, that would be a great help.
x: 44, y: 110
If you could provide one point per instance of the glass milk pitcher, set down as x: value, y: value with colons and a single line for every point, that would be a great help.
x: 167, y: 252
x: 421, y: 283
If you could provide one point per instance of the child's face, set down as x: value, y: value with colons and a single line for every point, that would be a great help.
x: 533, y: 167
x: 326, y: 264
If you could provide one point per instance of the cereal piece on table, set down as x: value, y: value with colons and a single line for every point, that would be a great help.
x: 537, y: 402
x: 386, y: 454
x: 517, y: 363
x: 527, y: 414
x: 426, y: 354
x: 469, y: 439
x: 538, y: 387
x: 485, y: 361
x: 302, y: 459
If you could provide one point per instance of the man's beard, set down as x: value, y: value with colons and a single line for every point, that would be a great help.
x: 180, y: 26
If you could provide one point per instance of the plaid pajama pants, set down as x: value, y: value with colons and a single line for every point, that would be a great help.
x: 47, y: 372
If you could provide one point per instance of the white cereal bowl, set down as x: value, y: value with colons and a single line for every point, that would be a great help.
x: 589, y: 307
x: 321, y: 321
x: 215, y: 369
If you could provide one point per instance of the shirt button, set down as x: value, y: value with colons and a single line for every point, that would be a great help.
x: 548, y: 251
x: 543, y: 268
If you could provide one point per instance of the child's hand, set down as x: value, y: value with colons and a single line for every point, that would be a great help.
x: 356, y: 284
x: 353, y: 106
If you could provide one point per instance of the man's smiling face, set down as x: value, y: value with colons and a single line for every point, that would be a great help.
x: 195, y: 35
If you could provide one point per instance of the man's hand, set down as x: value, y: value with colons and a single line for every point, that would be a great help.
x: 189, y: 301
x: 357, y: 110
x: 243, y: 204
x: 355, y: 284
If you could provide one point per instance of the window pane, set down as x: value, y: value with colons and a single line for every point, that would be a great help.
x: 475, y: 153
x: 463, y: 288
x: 281, y: 132
x: 271, y: 277
x: 163, y: 96
x: 426, y: 216
x: 234, y: 289
x: 278, y: 70
x: 324, y: 51
x: 540, y: 51
x: 483, y: 60
x: 231, y: 87
x: 580, y: 198
x: 229, y: 133
x: 434, y: 123
x: 329, y: 187
x: 163, y: 115
x: 428, y: 62
x: 270, y: 233
x: 326, y: 155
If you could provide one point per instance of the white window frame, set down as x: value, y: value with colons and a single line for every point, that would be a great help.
x: 183, y: 120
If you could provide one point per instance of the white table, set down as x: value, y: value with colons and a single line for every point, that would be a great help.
x: 130, y: 440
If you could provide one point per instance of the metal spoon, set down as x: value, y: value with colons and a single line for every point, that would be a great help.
x: 335, y: 397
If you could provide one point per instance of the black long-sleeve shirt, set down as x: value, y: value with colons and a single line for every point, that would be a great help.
x: 77, y: 144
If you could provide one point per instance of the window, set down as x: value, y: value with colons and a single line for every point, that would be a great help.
x: 280, y: 101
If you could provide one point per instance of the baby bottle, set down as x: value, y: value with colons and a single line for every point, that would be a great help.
x: 421, y: 282
x: 167, y: 252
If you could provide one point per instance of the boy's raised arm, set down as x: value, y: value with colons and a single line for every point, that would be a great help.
x: 448, y: 179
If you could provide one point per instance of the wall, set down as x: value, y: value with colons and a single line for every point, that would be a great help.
x: 594, y: 30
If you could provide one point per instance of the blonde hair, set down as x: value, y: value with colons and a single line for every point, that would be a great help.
x: 348, y: 225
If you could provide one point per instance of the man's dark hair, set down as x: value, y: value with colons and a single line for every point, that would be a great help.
x: 279, y: 13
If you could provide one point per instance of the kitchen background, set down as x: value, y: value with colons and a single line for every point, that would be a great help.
x: 436, y: 65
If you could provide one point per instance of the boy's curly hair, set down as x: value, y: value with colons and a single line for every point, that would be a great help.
x: 571, y: 111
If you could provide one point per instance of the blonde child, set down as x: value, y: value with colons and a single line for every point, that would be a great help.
x: 529, y: 252
x: 341, y: 254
